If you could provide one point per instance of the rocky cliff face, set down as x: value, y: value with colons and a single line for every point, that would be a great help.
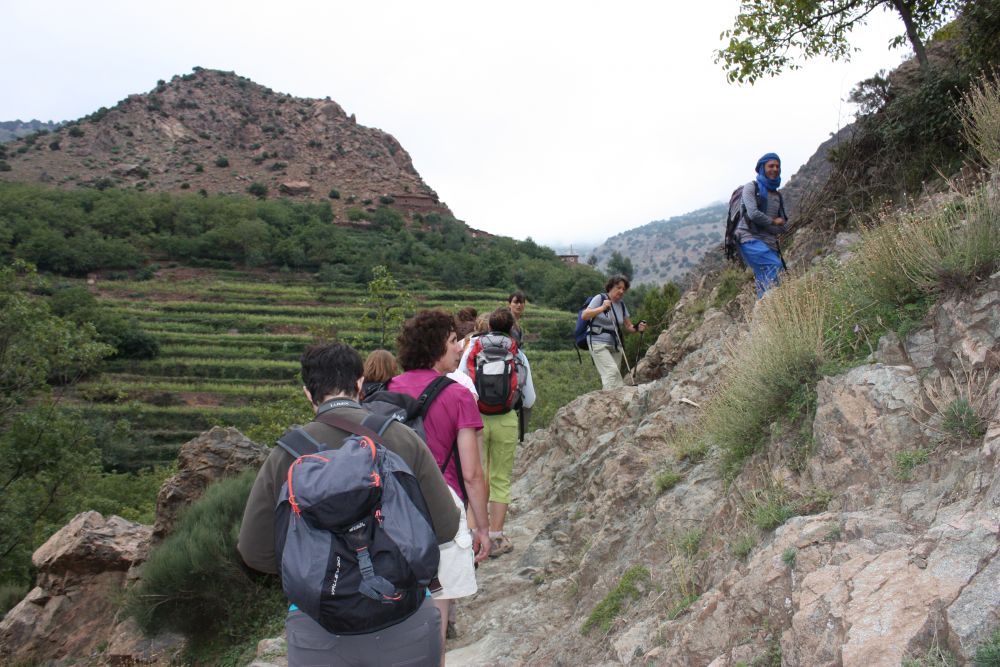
x: 883, y: 560
x: 219, y: 132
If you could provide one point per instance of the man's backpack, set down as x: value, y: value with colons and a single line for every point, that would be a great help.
x: 496, y: 372
x: 735, y: 212
x: 353, y: 536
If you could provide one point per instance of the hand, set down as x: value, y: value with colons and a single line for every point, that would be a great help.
x: 481, y: 543
x: 779, y: 221
x: 606, y: 306
x: 642, y: 326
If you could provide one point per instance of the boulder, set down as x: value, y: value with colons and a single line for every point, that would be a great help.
x: 295, y: 188
x: 83, y: 571
x: 217, y: 453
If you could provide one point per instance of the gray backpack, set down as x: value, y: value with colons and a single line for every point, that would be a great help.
x: 353, y: 536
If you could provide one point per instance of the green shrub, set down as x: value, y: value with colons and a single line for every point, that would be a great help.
x: 771, y: 507
x: 258, y: 190
x: 334, y: 194
x: 666, y: 480
x: 10, y: 595
x: 75, y: 131
x: 4, y: 166
x: 631, y: 586
x: 195, y: 582
x: 730, y: 283
x: 221, y: 161
x: 690, y: 541
x: 960, y: 420
x: 743, y: 545
x: 988, y: 653
x: 788, y: 556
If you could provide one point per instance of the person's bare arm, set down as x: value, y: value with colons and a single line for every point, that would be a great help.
x: 475, y: 486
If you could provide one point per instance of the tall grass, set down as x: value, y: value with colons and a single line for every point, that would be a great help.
x: 784, y: 349
x: 980, y: 117
x: 837, y: 314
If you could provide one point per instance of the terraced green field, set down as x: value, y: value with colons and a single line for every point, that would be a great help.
x: 230, y: 342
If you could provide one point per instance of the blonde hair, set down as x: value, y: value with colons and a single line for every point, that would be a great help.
x: 483, y: 323
x: 380, y: 366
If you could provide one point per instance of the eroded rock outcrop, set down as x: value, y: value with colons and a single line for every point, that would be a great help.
x: 216, y: 453
x: 895, y: 550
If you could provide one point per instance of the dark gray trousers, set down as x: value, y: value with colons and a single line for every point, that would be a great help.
x: 414, y: 642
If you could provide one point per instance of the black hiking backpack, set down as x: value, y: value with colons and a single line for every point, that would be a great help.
x: 412, y: 411
x: 353, y: 537
x: 735, y: 212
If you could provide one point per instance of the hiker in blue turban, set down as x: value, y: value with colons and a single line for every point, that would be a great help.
x: 762, y: 221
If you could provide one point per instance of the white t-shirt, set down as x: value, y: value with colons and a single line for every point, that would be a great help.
x: 465, y: 381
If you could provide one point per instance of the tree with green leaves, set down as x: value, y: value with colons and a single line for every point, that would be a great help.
x: 388, y: 304
x: 770, y: 37
x: 47, y: 454
x: 620, y: 265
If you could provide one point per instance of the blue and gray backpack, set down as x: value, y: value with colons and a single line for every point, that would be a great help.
x: 353, y: 536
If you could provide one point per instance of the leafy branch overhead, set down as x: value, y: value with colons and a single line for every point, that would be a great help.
x: 770, y: 37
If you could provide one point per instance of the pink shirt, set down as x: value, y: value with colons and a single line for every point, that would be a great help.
x: 453, y: 409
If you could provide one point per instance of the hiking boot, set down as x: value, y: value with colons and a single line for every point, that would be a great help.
x: 501, y: 545
x: 450, y: 632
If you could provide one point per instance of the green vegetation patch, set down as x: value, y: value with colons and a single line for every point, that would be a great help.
x: 632, y: 586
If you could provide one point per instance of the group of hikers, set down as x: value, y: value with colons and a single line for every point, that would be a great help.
x: 378, y: 512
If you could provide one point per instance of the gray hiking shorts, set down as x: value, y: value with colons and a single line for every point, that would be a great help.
x: 415, y: 642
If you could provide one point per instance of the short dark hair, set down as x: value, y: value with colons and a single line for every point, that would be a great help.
x: 424, y: 339
x: 614, y: 280
x: 467, y: 314
x: 517, y: 296
x: 501, y: 320
x: 330, y: 369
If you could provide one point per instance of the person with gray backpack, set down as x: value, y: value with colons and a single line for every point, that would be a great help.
x: 350, y: 511
x: 502, y: 377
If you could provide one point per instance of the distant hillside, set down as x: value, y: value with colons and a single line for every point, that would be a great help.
x: 222, y: 133
x: 15, y: 129
x: 665, y: 250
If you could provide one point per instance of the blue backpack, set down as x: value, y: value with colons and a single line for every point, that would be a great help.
x: 582, y: 330
x: 355, y: 545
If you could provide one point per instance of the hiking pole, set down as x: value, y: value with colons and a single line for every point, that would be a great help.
x: 622, y: 346
x: 639, y: 349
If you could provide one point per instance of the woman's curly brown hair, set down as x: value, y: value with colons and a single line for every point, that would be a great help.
x: 424, y: 339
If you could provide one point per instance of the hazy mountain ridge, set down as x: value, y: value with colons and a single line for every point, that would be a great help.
x: 665, y: 250
x: 15, y: 129
x: 222, y: 133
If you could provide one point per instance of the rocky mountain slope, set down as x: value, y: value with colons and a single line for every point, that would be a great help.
x: 222, y: 133
x: 877, y: 565
x: 665, y: 250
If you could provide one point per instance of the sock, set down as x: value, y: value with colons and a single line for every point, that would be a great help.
x: 495, y: 535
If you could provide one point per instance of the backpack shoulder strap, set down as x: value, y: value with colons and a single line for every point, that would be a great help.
x: 356, y: 428
x: 298, y: 443
x: 430, y: 393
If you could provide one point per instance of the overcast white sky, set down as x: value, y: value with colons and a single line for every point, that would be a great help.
x: 563, y: 121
